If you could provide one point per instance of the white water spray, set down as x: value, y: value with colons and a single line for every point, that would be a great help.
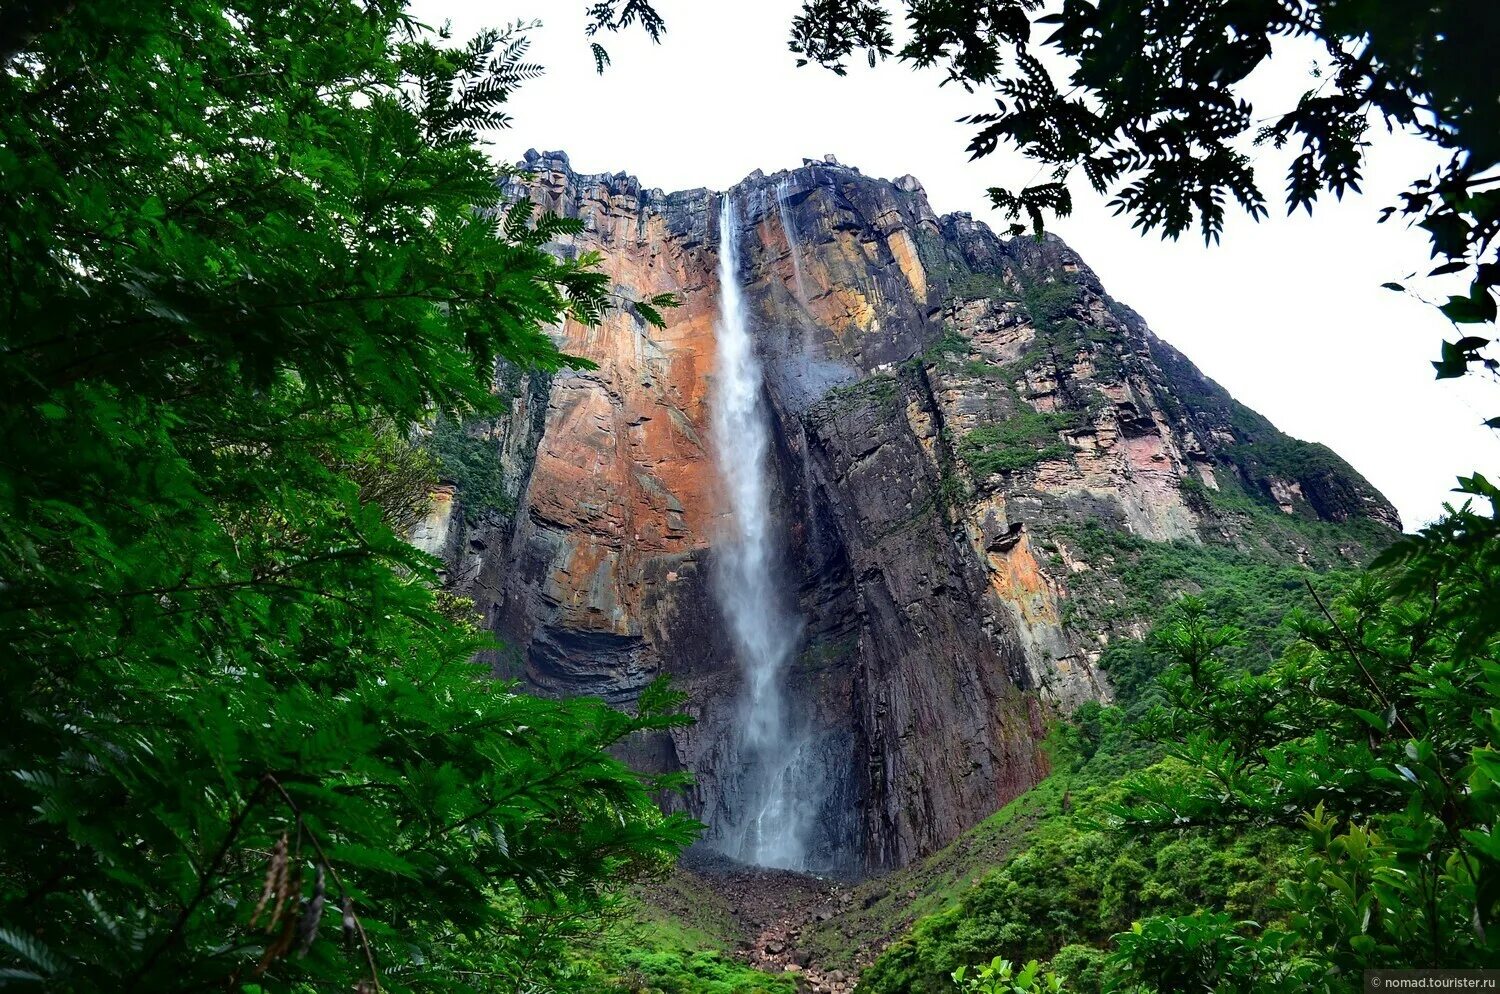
x: 769, y: 824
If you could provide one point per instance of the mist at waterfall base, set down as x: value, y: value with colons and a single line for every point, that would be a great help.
x: 777, y: 795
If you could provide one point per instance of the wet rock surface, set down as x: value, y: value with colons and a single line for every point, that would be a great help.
x: 771, y: 909
x: 947, y: 404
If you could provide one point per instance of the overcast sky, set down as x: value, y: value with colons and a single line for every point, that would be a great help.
x: 1288, y: 314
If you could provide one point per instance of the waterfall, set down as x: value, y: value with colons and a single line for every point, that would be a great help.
x: 773, y: 804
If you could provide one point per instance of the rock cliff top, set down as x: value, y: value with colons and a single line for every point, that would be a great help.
x: 987, y: 471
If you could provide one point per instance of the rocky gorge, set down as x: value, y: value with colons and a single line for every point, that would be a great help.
x: 972, y: 445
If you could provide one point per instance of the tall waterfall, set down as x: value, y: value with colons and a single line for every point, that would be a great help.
x: 772, y: 810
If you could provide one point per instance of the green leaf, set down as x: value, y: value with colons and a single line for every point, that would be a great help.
x: 353, y: 855
x: 1469, y: 310
x: 32, y: 951
x: 13, y: 973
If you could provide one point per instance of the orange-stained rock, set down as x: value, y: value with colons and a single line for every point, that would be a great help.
x: 935, y: 595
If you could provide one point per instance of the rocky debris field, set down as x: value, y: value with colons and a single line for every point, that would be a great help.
x: 772, y: 909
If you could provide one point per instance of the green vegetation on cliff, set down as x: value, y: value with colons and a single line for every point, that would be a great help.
x: 879, y: 391
x: 1267, y: 829
x: 1067, y: 880
x: 956, y: 278
x: 1061, y: 337
x: 1071, y: 885
x: 1133, y: 581
x: 250, y: 247
x: 1022, y: 439
x: 470, y: 462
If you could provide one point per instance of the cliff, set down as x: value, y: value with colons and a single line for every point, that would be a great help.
x: 968, y: 432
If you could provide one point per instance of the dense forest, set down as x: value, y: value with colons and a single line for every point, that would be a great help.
x: 262, y: 278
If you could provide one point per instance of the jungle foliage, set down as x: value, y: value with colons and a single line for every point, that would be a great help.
x: 635, y: 954
x: 1075, y: 884
x: 1332, y: 812
x: 248, y: 247
x: 469, y: 459
x: 1378, y: 733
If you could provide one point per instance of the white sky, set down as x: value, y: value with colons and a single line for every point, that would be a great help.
x: 1288, y: 314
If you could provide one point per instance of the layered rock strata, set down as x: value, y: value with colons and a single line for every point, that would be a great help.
x: 949, y: 407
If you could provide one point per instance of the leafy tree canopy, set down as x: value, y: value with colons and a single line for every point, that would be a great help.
x: 1378, y: 733
x: 1153, y: 109
x: 248, y: 246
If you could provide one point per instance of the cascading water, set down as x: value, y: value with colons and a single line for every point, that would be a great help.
x: 773, y: 809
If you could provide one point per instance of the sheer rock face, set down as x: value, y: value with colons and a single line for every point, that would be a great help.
x: 944, y: 401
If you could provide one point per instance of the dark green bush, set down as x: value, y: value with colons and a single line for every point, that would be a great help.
x: 1023, y: 439
x: 472, y: 464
